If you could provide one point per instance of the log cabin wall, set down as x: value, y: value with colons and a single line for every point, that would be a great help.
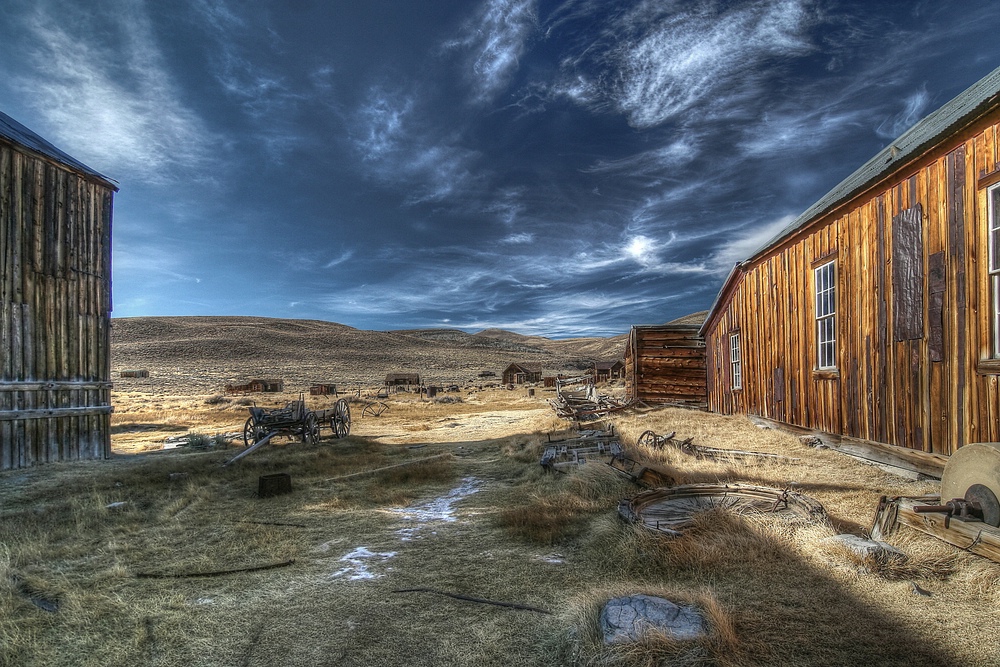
x: 666, y: 365
x: 55, y: 291
x: 913, y: 353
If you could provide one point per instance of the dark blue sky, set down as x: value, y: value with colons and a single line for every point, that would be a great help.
x: 555, y: 168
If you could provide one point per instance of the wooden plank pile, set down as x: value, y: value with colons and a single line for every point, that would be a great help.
x: 577, y: 398
x: 572, y: 452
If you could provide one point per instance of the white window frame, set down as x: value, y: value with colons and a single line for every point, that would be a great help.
x: 994, y: 268
x: 735, y: 361
x: 825, y: 289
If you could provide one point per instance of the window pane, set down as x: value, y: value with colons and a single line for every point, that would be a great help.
x: 995, y: 229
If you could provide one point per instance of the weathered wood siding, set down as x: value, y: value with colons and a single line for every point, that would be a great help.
x: 913, y: 311
x: 55, y: 296
x: 666, y: 364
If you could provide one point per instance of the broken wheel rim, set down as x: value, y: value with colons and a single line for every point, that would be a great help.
x: 671, y: 510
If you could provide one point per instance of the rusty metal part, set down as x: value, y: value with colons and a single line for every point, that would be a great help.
x: 979, y: 504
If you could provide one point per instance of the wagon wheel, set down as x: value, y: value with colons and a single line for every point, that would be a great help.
x: 649, y: 439
x: 340, y: 422
x: 310, y: 429
x: 252, y: 432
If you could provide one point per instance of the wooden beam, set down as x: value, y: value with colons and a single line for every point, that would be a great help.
x: 43, y: 413
x: 930, y: 465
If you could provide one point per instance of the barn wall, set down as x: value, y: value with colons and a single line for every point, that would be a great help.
x: 912, y: 312
x: 666, y: 364
x: 55, y: 296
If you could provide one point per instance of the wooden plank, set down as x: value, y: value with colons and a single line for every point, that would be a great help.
x: 36, y: 412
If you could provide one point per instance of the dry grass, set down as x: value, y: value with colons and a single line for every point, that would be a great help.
x: 496, y: 528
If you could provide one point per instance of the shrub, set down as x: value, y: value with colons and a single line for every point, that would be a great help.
x: 217, y: 399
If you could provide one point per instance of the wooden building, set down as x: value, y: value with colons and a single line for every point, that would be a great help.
x: 323, y: 389
x: 55, y: 303
x: 519, y: 373
x: 257, y: 386
x: 876, y: 313
x: 402, y: 381
x: 665, y: 364
x: 608, y: 370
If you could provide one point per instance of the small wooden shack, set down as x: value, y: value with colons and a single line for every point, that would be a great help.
x: 605, y: 371
x: 402, y: 381
x: 519, y: 373
x: 665, y: 364
x: 323, y: 389
x: 55, y: 303
x: 876, y: 313
x: 256, y: 386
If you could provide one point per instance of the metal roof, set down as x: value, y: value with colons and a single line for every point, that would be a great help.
x: 950, y: 118
x: 16, y: 133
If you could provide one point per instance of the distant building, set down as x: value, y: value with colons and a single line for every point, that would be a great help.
x: 519, y: 373
x: 608, y: 370
x: 323, y: 389
x: 404, y: 381
x: 55, y: 303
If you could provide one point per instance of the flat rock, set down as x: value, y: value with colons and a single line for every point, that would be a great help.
x: 883, y: 552
x: 627, y: 618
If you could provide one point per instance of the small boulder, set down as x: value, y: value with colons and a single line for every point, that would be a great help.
x: 882, y: 552
x: 627, y: 618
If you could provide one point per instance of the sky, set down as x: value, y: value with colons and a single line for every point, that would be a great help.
x: 552, y: 167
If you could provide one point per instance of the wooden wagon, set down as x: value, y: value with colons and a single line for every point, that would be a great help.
x: 294, y: 420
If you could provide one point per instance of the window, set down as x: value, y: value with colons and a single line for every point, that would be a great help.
x: 993, y: 196
x: 825, y: 286
x: 735, y: 360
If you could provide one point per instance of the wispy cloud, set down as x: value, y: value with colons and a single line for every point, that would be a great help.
x: 239, y: 45
x: 739, y: 248
x: 659, y: 60
x: 494, y: 42
x: 914, y: 108
x: 400, y: 148
x: 111, y: 102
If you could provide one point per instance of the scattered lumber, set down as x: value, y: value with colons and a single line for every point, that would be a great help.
x: 467, y: 598
x: 651, y: 439
x: 214, y: 573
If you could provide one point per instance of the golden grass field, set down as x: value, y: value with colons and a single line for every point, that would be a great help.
x: 471, y: 513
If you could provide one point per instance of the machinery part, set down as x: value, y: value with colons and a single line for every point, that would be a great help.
x: 648, y: 439
x: 975, y: 465
x: 310, y: 429
x: 340, y: 422
x: 671, y: 510
x: 982, y: 496
x: 252, y: 431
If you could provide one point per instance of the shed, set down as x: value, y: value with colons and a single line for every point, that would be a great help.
x: 55, y: 303
x: 519, y: 373
x: 323, y: 389
x: 876, y: 313
x: 608, y: 370
x: 665, y: 364
x: 267, y: 385
x: 402, y: 380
